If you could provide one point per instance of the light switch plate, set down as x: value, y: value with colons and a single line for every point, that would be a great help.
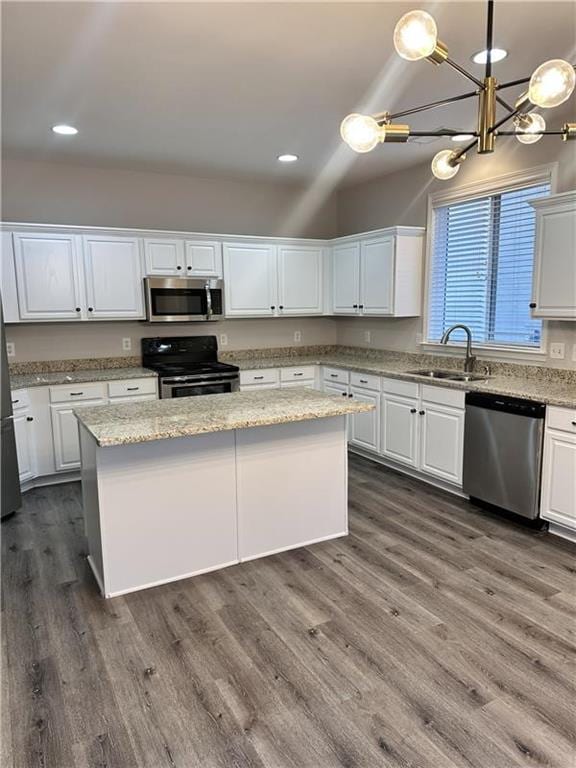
x: 574, y: 352
x: 127, y: 344
x: 10, y: 349
x: 557, y: 350
x: 297, y: 335
x: 223, y: 340
x: 367, y: 337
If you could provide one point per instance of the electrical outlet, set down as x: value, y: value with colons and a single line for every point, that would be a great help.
x: 367, y: 337
x: 297, y: 335
x: 223, y: 340
x: 574, y: 352
x: 557, y: 350
x: 10, y: 349
x: 127, y: 344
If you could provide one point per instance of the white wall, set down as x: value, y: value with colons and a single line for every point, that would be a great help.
x: 402, y: 197
x: 66, y: 341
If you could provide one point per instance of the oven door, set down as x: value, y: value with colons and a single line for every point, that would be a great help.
x: 206, y: 386
x: 170, y: 300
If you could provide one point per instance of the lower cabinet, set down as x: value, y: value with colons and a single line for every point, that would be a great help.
x: 365, y: 427
x: 558, y: 500
x: 400, y: 429
x: 25, y: 449
x: 65, y: 434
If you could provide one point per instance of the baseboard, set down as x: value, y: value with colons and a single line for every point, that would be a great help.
x: 562, y: 531
x: 378, y: 459
x: 54, y: 479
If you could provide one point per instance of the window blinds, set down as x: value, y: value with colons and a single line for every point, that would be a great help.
x: 481, y: 271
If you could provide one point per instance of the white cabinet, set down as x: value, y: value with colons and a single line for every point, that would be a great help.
x: 49, y: 276
x: 250, y: 280
x: 554, y: 281
x: 65, y: 434
x: 379, y: 275
x: 8, y: 280
x: 400, y: 429
x: 113, y: 270
x: 441, y: 441
x: 299, y: 280
x: 365, y: 427
x: 182, y: 258
x: 24, y: 431
x: 558, y: 504
x: 346, y: 279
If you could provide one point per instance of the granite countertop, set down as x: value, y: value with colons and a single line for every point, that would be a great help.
x: 24, y: 380
x: 186, y: 416
x: 550, y: 391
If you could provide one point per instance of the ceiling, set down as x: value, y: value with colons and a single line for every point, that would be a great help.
x: 223, y: 88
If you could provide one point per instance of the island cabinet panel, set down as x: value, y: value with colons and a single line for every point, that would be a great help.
x: 159, y: 511
x: 291, y: 485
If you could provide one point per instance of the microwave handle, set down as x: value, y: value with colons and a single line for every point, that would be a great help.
x: 208, y: 301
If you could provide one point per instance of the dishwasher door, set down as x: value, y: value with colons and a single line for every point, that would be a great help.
x: 503, y: 452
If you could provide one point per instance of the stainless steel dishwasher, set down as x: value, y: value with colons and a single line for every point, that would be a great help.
x: 503, y: 452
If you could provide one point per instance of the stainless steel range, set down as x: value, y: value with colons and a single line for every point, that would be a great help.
x: 189, y: 366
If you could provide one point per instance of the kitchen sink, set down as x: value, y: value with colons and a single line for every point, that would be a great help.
x: 435, y: 373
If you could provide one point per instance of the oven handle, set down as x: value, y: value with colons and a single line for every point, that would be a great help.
x: 208, y: 302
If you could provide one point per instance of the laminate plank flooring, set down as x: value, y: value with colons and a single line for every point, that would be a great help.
x: 435, y: 635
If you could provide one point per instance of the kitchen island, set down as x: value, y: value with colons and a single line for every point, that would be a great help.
x: 174, y: 488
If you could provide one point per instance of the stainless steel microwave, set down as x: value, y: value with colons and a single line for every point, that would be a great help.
x: 183, y: 299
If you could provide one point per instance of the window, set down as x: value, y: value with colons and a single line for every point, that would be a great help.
x: 481, y: 268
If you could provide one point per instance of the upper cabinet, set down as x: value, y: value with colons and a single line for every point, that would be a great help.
x: 379, y: 275
x: 49, y: 276
x: 113, y: 271
x: 183, y: 258
x: 299, y: 280
x: 250, y: 279
x: 554, y: 288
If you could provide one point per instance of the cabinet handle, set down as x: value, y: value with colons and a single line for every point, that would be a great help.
x: 178, y: 267
x: 344, y: 394
x: 256, y: 378
x: 354, y: 306
x: 361, y: 306
x: 90, y: 309
x: 132, y: 389
x: 350, y: 395
x: 298, y: 374
x: 281, y: 306
x: 29, y: 418
x: 273, y: 307
x: 188, y: 267
x: 574, y: 423
x: 421, y: 413
x: 15, y: 401
x: 363, y: 381
x: 532, y: 305
x: 76, y: 394
x: 78, y: 309
x: 412, y: 410
x: 334, y: 375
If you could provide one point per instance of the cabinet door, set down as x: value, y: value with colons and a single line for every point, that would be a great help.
x: 24, y: 433
x: 376, y: 276
x: 555, y: 265
x: 65, y: 435
x: 365, y: 427
x: 250, y: 279
x: 346, y: 279
x: 49, y: 277
x: 399, y: 434
x: 342, y: 390
x: 113, y: 268
x: 203, y: 259
x: 441, y: 441
x: 559, y: 478
x: 299, y: 280
x: 164, y: 257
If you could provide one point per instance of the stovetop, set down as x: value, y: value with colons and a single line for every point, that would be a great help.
x: 193, y: 369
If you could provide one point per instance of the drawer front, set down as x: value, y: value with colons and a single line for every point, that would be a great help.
x: 20, y: 399
x: 366, y: 381
x: 402, y: 388
x: 336, y: 375
x: 443, y: 396
x: 561, y: 418
x: 304, y: 373
x: 264, y: 376
x: 132, y: 387
x: 71, y: 393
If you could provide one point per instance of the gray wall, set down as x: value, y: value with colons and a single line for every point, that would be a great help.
x: 402, y: 198
x: 57, y: 193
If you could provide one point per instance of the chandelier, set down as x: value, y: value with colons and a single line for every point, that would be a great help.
x: 416, y: 37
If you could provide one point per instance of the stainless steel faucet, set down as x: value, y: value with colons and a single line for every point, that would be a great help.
x: 469, y: 360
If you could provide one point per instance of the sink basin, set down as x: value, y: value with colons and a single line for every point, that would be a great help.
x: 435, y: 373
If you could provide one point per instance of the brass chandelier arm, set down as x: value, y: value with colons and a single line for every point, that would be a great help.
x: 512, y: 83
x: 533, y: 133
x: 479, y: 83
x: 443, y: 132
x: 431, y: 105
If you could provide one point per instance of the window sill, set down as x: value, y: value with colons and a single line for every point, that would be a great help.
x: 500, y: 354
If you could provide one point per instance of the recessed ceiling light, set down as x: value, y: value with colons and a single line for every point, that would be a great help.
x: 462, y: 137
x: 497, y: 55
x: 287, y: 158
x: 65, y: 130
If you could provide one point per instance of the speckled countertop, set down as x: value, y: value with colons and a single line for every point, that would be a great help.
x: 24, y: 380
x: 186, y: 416
x: 554, y: 389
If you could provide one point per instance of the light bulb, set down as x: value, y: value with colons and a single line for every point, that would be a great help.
x: 360, y: 132
x: 526, y: 128
x: 415, y: 35
x: 441, y: 166
x: 552, y: 83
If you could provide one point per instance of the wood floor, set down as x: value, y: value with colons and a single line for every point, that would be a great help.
x: 433, y: 636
